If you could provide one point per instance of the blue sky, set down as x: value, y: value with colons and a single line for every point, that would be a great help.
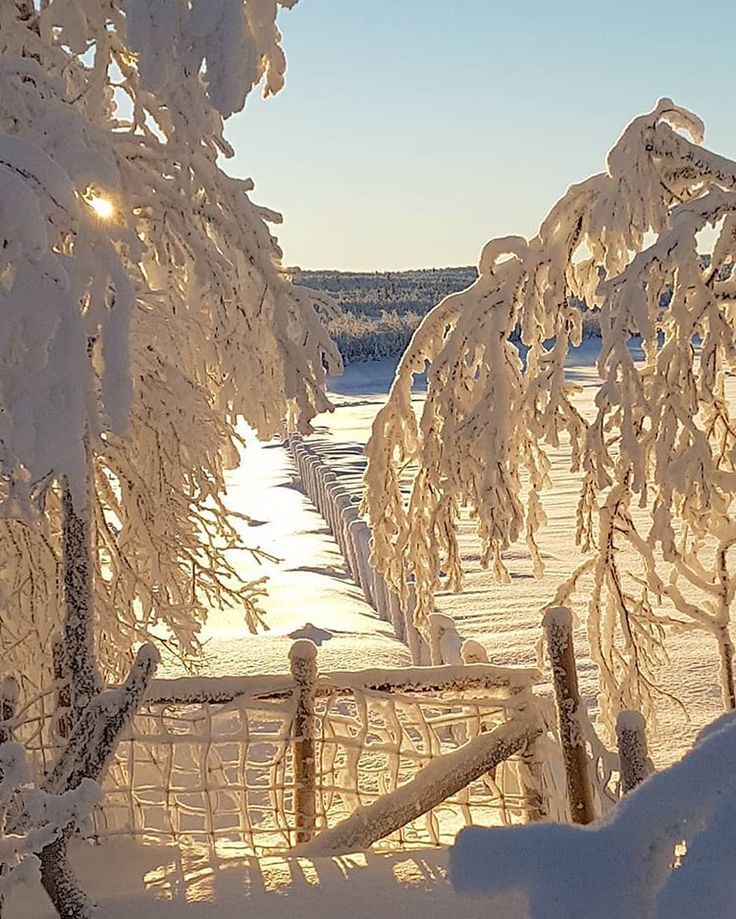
x: 411, y: 131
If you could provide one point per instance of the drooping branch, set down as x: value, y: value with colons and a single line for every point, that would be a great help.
x: 658, y: 457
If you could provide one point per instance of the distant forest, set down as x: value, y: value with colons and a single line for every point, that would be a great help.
x: 380, y: 310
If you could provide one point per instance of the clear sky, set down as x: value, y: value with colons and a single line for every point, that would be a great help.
x: 411, y: 131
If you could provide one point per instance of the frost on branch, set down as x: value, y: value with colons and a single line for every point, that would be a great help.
x: 47, y: 817
x: 148, y: 331
x: 657, y: 459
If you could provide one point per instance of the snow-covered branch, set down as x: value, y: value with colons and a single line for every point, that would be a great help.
x: 143, y: 309
x: 656, y: 460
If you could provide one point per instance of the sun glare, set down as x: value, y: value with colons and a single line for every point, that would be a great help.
x: 103, y: 207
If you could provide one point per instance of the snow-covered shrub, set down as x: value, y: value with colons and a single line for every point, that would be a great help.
x: 630, y: 865
x: 143, y: 309
x: 658, y: 460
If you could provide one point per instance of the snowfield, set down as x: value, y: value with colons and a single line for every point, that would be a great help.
x: 308, y: 585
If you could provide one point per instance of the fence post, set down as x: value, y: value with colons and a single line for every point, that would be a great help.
x: 303, y: 660
x: 561, y: 651
x: 445, y: 642
x: 531, y: 781
x: 633, y: 754
x: 413, y: 636
x: 473, y: 652
x: 380, y: 595
x: 395, y: 614
x: 361, y: 537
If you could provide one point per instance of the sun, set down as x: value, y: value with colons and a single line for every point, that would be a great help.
x: 103, y: 207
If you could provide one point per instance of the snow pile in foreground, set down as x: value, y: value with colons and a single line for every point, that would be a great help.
x: 622, y: 868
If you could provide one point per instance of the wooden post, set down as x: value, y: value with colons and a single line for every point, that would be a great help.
x: 558, y: 629
x: 350, y: 514
x: 380, y: 594
x: 473, y: 652
x: 344, y: 505
x: 531, y: 783
x: 413, y: 636
x: 310, y: 477
x: 329, y: 481
x: 395, y: 614
x: 360, y: 535
x: 633, y: 755
x: 445, y: 642
x: 303, y: 659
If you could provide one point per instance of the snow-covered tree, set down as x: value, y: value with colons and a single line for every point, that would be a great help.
x: 656, y: 462
x: 142, y: 311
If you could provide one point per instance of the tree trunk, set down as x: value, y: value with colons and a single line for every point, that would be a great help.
x: 60, y: 882
x: 78, y: 586
x: 90, y: 748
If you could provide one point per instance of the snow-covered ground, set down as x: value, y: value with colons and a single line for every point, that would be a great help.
x: 149, y: 882
x: 309, y: 585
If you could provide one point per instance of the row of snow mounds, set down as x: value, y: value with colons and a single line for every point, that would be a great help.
x: 334, y: 495
x: 338, y: 504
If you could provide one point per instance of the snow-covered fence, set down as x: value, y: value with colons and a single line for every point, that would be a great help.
x: 339, y: 507
x: 264, y: 762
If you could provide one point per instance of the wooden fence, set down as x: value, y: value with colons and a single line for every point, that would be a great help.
x: 264, y: 763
